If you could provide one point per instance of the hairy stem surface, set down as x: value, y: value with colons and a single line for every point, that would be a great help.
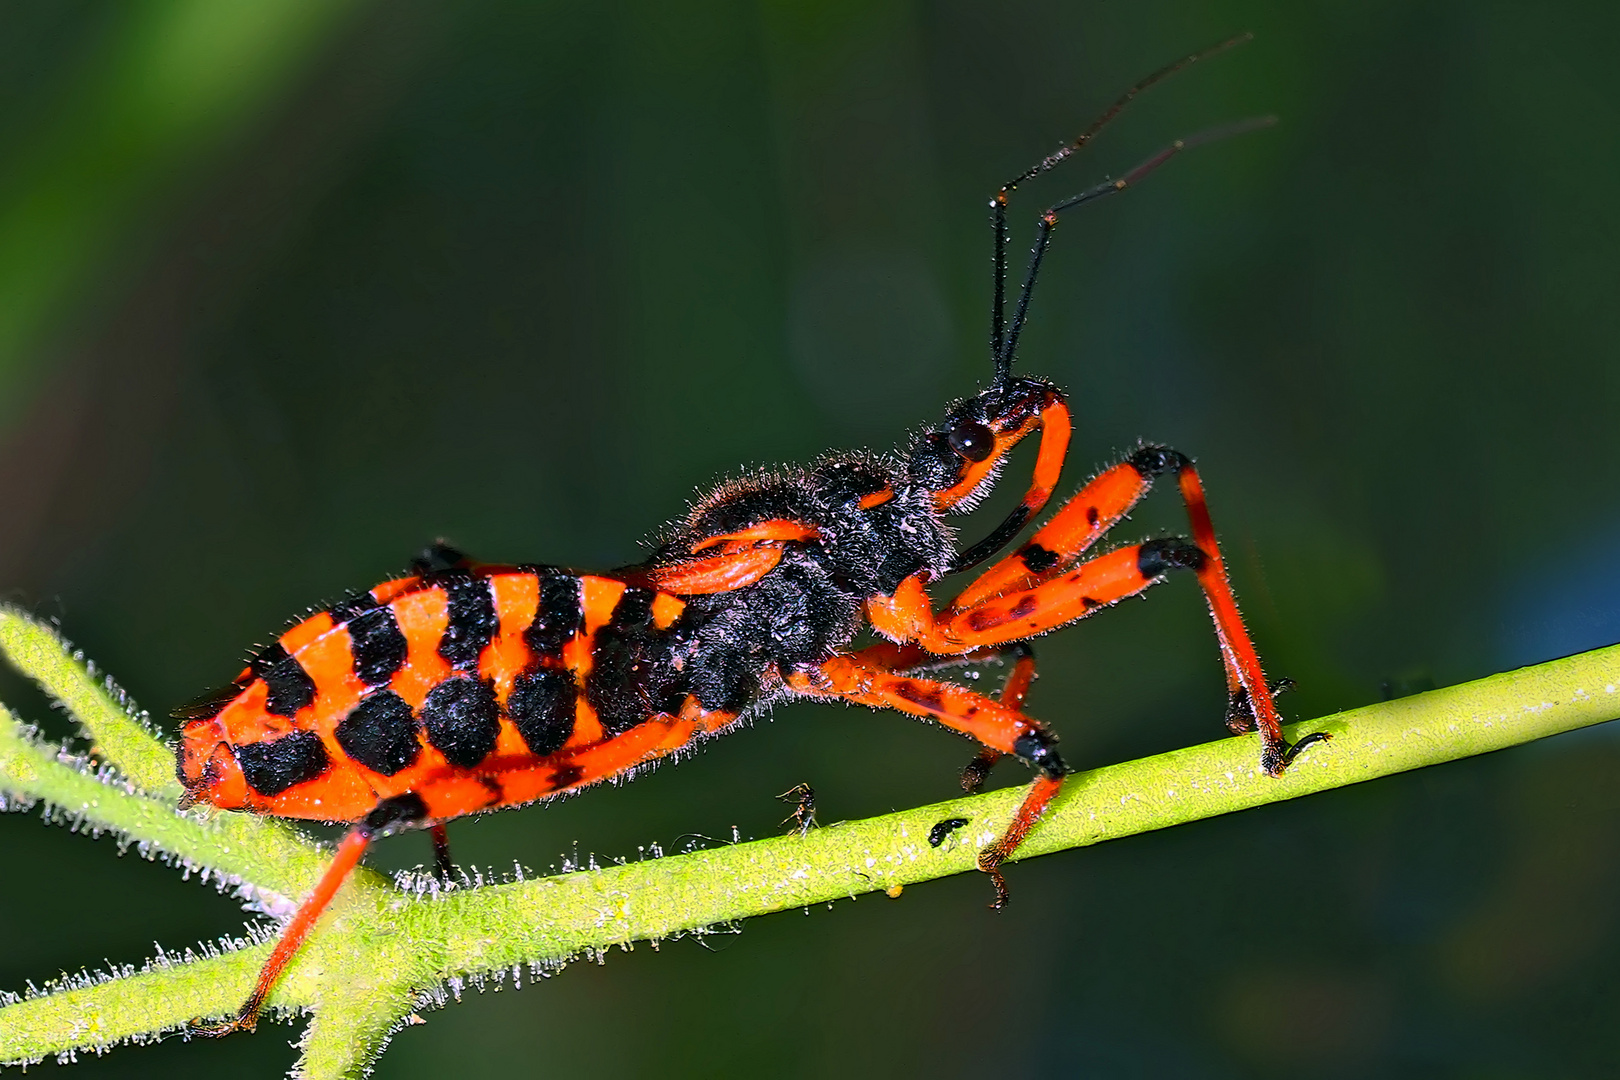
x: 422, y: 940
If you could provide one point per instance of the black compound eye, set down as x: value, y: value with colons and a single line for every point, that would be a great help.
x: 972, y: 440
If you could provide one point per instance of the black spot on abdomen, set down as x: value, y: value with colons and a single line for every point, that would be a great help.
x: 289, y: 685
x: 472, y: 621
x: 462, y: 720
x: 275, y: 765
x: 380, y: 733
x: 377, y: 644
x: 542, y: 709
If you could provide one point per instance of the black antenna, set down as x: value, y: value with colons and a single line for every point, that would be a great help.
x: 1003, y: 341
x: 1049, y: 219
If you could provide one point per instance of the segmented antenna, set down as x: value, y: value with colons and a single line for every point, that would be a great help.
x: 1004, y: 339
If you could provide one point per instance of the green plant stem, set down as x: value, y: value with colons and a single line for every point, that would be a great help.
x: 274, y: 859
x: 122, y: 736
x: 505, y: 924
x: 422, y: 940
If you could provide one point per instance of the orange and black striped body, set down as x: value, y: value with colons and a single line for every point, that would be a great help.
x: 469, y: 688
x: 464, y: 689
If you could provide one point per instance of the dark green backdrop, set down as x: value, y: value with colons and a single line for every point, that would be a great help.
x: 525, y: 275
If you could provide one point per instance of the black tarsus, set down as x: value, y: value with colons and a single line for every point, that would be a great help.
x: 977, y: 771
x: 1240, y: 710
x: 998, y: 880
x: 1240, y: 719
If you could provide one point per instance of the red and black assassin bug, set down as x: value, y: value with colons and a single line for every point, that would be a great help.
x: 466, y: 687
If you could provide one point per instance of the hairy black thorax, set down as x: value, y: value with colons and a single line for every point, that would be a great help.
x: 728, y: 648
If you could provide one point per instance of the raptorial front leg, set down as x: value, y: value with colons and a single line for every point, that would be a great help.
x: 1058, y: 545
x: 1081, y: 590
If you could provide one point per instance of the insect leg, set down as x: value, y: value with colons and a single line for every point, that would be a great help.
x: 1055, y: 425
x: 803, y: 798
x: 443, y: 868
x: 1040, y: 587
x: 911, y: 658
x: 350, y: 850
x: 1244, y: 677
x: 994, y: 725
x: 524, y: 779
x: 1055, y: 602
x: 1013, y: 692
x: 1058, y: 544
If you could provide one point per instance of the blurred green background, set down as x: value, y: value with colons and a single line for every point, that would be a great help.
x: 288, y: 289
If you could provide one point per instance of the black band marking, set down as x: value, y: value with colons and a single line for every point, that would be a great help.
x: 352, y: 605
x: 1039, y: 748
x: 631, y: 676
x: 1157, y: 557
x: 472, y: 621
x: 275, y: 765
x: 381, y: 734
x: 560, y: 614
x: 378, y: 646
x: 1152, y: 461
x: 289, y: 686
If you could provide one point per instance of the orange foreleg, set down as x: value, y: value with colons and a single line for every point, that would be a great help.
x: 1040, y: 587
x: 1055, y: 546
